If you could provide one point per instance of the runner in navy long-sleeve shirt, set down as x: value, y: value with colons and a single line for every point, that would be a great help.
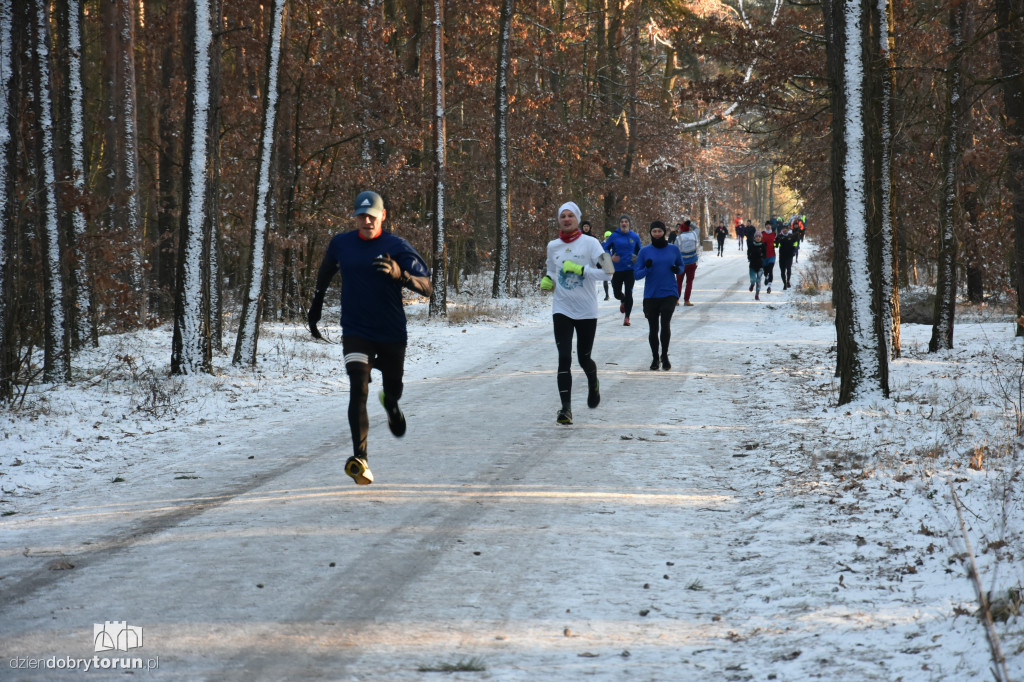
x: 657, y: 264
x: 374, y: 267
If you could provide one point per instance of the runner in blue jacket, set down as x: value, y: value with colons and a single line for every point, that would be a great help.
x: 658, y: 265
x: 623, y: 245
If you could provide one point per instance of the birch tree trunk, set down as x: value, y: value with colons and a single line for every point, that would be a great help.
x: 503, y: 222
x: 863, y: 359
x: 56, y: 359
x: 71, y: 160
x: 439, y: 297
x: 190, y: 351
x: 1010, y: 16
x: 952, y: 153
x: 263, y: 219
x: 8, y: 122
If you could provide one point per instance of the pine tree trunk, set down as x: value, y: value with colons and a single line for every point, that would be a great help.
x: 263, y: 204
x: 1010, y: 16
x: 952, y: 153
x: 439, y: 297
x: 973, y: 247
x: 71, y: 168
x: 56, y: 359
x: 212, y: 306
x: 190, y: 351
x: 128, y: 156
x: 117, y: 180
x: 883, y: 68
x: 168, y: 161
x: 9, y: 109
x: 613, y: 114
x: 411, y: 50
x: 503, y: 222
x: 294, y: 292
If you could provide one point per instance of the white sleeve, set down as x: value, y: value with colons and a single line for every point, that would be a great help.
x: 593, y: 270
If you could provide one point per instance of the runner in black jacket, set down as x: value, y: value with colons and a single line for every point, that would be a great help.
x: 375, y: 266
x: 786, y: 247
x: 721, y: 232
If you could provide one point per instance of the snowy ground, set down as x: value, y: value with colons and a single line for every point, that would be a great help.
x: 721, y: 521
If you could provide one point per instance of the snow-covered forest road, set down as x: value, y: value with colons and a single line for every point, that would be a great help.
x: 712, y: 522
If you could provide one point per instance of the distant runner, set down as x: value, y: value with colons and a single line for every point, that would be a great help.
x: 623, y: 246
x: 755, y: 262
x: 768, y: 237
x: 689, y: 247
x: 721, y: 233
x: 786, y: 246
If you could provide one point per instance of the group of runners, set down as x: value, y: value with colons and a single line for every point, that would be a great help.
x: 778, y: 242
x: 375, y: 266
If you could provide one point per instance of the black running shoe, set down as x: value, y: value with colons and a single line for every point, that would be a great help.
x: 665, y: 364
x: 654, y: 363
x: 564, y: 416
x: 359, y: 470
x: 594, y: 395
x: 396, y: 420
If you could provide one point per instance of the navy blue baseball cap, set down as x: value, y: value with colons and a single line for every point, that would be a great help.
x: 369, y: 203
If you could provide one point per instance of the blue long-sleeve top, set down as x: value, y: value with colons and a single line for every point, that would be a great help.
x: 659, y: 280
x: 371, y: 302
x: 625, y: 245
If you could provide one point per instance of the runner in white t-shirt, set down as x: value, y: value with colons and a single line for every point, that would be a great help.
x: 575, y: 262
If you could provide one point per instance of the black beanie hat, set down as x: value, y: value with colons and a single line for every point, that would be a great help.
x: 657, y: 224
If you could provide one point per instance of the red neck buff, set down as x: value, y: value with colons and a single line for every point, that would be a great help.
x: 567, y: 238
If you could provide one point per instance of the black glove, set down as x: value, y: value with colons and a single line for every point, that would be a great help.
x: 648, y: 263
x: 387, y: 266
x: 313, y: 317
x: 675, y: 269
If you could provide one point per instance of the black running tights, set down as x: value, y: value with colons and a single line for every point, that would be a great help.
x: 786, y: 270
x: 585, y: 331
x: 622, y: 285
x: 659, y: 318
x: 362, y: 355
